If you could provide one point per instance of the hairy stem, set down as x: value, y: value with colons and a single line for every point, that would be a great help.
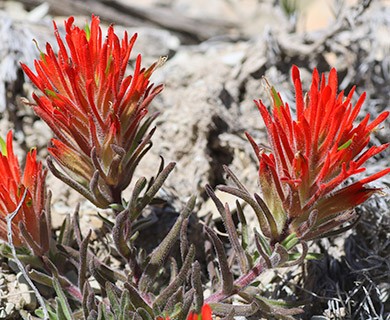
x: 239, y: 284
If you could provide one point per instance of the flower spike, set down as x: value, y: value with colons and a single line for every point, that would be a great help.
x: 94, y: 109
x: 313, y: 154
x: 30, y: 227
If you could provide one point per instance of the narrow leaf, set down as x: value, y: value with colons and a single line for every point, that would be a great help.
x: 298, y: 260
x: 177, y: 282
x: 235, y: 242
x: 114, y: 302
x: 262, y: 248
x: 235, y: 179
x: 187, y: 302
x: 155, y: 187
x: 159, y: 255
x: 136, y: 300
x: 83, y: 261
x: 120, y: 233
x: 126, y: 305
x: 265, y: 228
x: 226, y: 274
x: 132, y: 205
x: 196, y: 283
x: 62, y: 301
x: 144, y: 314
x: 244, y: 226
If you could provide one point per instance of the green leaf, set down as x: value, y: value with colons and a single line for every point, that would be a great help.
x: 177, y: 314
x: 142, y: 131
x: 104, y: 314
x: 138, y: 187
x: 65, y: 231
x: 119, y: 234
x: 264, y: 243
x: 63, y: 309
x: 52, y: 315
x: 144, y: 314
x: 149, y: 195
x: 83, y: 262
x: 87, y: 32
x: 135, y: 299
x: 114, y: 302
x: 345, y: 145
x: 280, y: 303
x: 244, y: 226
x: 185, y: 306
x: 106, y: 221
x: 255, y: 283
x: 116, y: 206
x: 314, y: 256
x: 275, y: 96
x: 108, y: 66
x: 290, y: 241
x: 125, y: 305
x: 261, y: 212
x: 40, y: 277
x: 3, y: 147
x: 50, y: 93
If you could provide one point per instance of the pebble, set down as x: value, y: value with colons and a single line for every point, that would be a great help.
x: 9, y: 307
x: 27, y: 297
x: 233, y: 58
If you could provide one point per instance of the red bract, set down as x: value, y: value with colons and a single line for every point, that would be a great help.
x: 312, y: 155
x: 206, y: 314
x: 94, y: 110
x: 30, y: 225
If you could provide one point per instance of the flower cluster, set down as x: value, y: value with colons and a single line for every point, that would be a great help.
x: 312, y: 155
x: 30, y: 225
x: 94, y: 110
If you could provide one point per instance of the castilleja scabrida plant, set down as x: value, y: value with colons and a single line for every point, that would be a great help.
x: 95, y: 111
x: 30, y: 227
x: 301, y: 175
x: 312, y: 154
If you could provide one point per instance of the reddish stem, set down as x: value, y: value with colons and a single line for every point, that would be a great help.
x: 240, y: 284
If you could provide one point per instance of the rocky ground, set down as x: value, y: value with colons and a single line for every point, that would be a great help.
x: 218, y: 52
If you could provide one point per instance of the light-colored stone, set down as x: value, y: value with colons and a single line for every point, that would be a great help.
x: 9, y: 308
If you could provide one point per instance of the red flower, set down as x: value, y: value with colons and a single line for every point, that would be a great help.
x: 94, y: 110
x: 313, y: 154
x: 205, y: 314
x: 13, y: 184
